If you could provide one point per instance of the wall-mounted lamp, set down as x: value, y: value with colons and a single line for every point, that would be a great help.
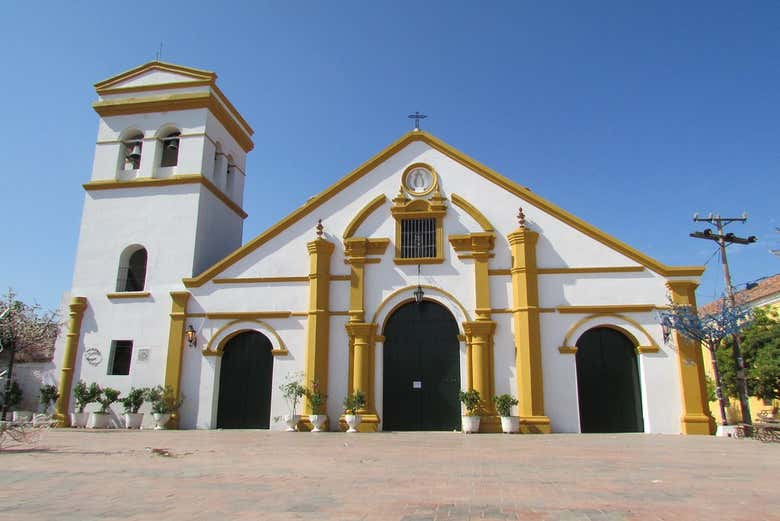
x: 191, y: 336
x: 418, y: 294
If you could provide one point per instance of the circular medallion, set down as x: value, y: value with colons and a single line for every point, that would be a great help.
x: 93, y: 356
x: 419, y: 180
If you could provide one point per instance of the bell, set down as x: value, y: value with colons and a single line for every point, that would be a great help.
x: 135, y: 153
x: 173, y: 144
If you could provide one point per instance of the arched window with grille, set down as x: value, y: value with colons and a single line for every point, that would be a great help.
x: 132, y: 269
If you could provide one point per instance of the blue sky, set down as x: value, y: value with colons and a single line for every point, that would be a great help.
x: 630, y: 115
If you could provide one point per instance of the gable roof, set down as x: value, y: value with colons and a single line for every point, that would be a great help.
x: 188, y: 76
x: 458, y: 156
x: 767, y: 287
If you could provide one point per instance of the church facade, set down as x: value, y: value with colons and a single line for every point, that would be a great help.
x: 417, y: 275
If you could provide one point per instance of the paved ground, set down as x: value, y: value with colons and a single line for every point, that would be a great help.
x: 249, y: 475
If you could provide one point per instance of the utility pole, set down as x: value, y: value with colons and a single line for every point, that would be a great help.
x: 723, y: 240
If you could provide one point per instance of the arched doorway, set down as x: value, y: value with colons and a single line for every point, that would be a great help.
x: 608, y: 382
x: 421, y: 369
x: 245, y: 382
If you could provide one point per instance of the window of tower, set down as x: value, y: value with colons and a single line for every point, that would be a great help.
x: 131, y: 151
x: 170, y: 150
x: 132, y: 269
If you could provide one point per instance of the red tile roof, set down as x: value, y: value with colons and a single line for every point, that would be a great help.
x: 766, y: 288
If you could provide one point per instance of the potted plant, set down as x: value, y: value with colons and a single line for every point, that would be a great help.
x: 293, y: 391
x: 100, y: 419
x: 12, y: 398
x: 504, y: 403
x: 316, y: 403
x: 48, y: 396
x: 164, y: 404
x: 132, y: 402
x: 470, y: 400
x: 84, y: 396
x: 352, y: 404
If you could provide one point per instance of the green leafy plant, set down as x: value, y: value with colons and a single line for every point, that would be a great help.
x: 106, y: 398
x: 85, y: 395
x: 471, y: 401
x: 293, y: 390
x: 504, y: 403
x: 354, y: 402
x: 316, y: 397
x: 134, y: 400
x: 49, y: 395
x: 164, y: 400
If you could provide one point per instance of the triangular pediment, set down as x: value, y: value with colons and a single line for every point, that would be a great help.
x: 155, y: 75
x: 478, y: 169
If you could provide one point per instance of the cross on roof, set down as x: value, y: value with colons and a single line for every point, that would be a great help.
x: 416, y: 117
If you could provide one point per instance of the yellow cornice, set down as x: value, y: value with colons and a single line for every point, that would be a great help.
x: 248, y: 314
x: 156, y: 86
x: 472, y: 211
x: 111, y: 184
x: 195, y: 74
x: 478, y: 242
x: 212, y: 100
x: 594, y: 269
x: 254, y: 280
x: 496, y: 178
x: 128, y: 295
x: 360, y: 247
x: 626, y: 308
x: 363, y: 214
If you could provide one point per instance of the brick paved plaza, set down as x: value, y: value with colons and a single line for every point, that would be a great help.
x: 248, y: 475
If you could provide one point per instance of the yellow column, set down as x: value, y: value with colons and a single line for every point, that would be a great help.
x: 696, y: 418
x: 176, y: 346
x: 528, y: 359
x: 75, y: 316
x: 318, y: 323
x: 479, y: 336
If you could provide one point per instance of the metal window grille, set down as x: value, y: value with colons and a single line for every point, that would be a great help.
x: 418, y: 238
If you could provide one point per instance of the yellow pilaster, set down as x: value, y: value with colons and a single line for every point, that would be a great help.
x: 318, y: 323
x: 75, y: 316
x: 696, y: 418
x: 528, y: 358
x: 176, y: 346
x: 479, y: 337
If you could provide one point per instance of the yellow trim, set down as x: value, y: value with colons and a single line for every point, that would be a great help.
x: 173, y: 362
x: 361, y: 363
x: 434, y: 208
x: 522, y: 308
x: 642, y: 350
x: 356, y: 251
x: 318, y: 321
x: 479, y: 337
x: 501, y: 272
x: 111, y: 184
x: 254, y: 280
x: 472, y: 211
x: 340, y: 277
x: 106, y: 86
x: 157, y: 86
x: 212, y: 100
x: 210, y: 351
x: 363, y: 214
x: 494, y: 177
x: 128, y: 294
x: 594, y: 269
x: 410, y: 289
x: 75, y: 317
x: 611, y: 309
x: 650, y: 346
x: 426, y: 166
x: 568, y: 350
x: 248, y: 314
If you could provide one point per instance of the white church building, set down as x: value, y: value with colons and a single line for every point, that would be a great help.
x: 419, y: 274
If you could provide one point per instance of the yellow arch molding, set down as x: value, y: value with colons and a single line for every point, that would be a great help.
x: 491, y: 175
x: 410, y: 289
x: 649, y: 347
x: 208, y: 351
x: 472, y: 211
x: 363, y: 214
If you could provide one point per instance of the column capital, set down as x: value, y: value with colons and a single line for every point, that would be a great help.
x: 682, y: 286
x: 78, y: 304
x: 479, y: 328
x: 361, y: 329
x: 320, y: 245
x: 522, y: 236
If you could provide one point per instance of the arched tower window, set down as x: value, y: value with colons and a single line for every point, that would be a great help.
x: 219, y: 159
x: 132, y: 269
x: 132, y: 146
x: 170, y: 150
x: 230, y: 175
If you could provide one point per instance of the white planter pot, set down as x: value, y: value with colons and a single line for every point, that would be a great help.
x: 510, y: 424
x: 160, y: 420
x: 79, y: 419
x: 727, y: 431
x: 317, y: 421
x: 353, y: 420
x: 98, y: 420
x: 470, y: 424
x: 292, y: 421
x: 22, y: 416
x: 133, y: 420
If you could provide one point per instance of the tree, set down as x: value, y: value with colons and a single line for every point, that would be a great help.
x: 761, y: 353
x: 27, y: 333
x: 709, y: 330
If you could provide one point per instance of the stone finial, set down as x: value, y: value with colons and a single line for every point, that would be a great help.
x: 319, y: 228
x: 521, y: 218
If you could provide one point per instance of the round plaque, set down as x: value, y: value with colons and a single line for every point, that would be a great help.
x: 419, y: 180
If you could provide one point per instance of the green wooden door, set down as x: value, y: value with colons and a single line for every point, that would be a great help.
x: 608, y: 383
x: 421, y: 369
x: 245, y: 383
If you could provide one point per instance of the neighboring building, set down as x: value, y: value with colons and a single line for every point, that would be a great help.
x: 763, y: 293
x: 542, y: 305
